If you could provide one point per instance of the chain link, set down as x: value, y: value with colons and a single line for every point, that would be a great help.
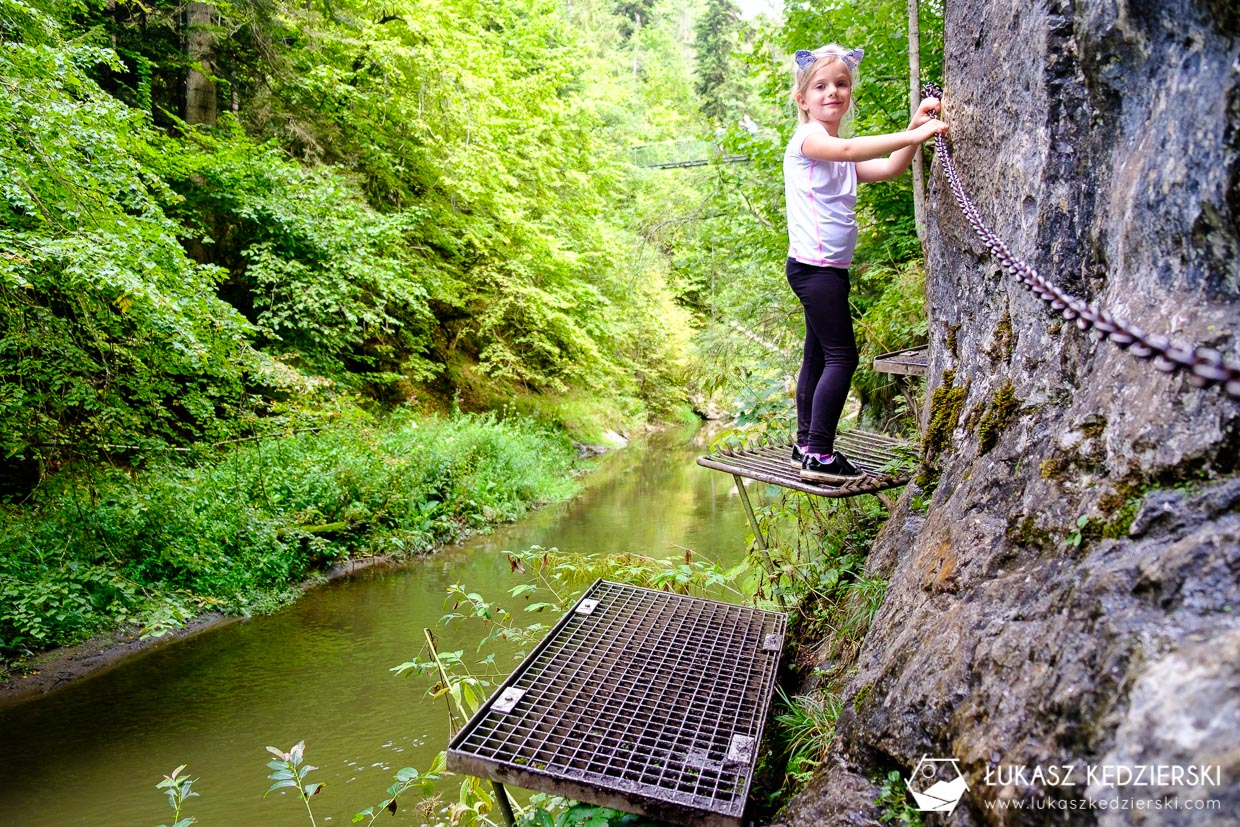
x: 1206, y: 367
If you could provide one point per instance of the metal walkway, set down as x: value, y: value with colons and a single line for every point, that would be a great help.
x: 912, y: 362
x: 874, y: 454
x: 883, y: 460
x: 644, y: 701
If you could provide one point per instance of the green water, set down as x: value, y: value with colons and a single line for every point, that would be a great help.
x: 319, y: 671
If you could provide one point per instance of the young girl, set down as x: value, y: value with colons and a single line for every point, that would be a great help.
x: 821, y: 173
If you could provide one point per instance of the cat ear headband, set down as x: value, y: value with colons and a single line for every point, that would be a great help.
x: 851, y: 58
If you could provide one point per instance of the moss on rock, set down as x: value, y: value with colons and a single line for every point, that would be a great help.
x: 1002, y: 343
x: 946, y: 405
x: 996, y: 417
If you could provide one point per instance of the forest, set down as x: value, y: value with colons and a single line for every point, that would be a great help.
x: 285, y: 284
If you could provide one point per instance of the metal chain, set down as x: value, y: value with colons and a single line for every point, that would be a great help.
x: 1206, y: 366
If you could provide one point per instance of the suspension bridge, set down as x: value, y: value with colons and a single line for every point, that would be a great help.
x: 677, y: 154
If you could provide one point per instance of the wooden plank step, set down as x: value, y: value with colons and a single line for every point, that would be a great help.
x: 912, y: 362
x: 869, y: 452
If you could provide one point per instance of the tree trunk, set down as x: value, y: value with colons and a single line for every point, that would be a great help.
x: 200, y: 49
x: 914, y: 78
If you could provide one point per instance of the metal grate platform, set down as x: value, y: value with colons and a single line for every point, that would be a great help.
x: 643, y: 701
x: 911, y: 362
x: 869, y: 452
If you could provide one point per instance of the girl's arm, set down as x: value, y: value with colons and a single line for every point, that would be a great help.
x: 884, y: 169
x: 878, y: 157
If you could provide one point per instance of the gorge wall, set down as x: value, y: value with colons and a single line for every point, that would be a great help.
x: 1101, y: 140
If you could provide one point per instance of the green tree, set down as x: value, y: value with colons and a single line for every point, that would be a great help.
x: 717, y: 37
x: 634, y: 15
x: 110, y: 336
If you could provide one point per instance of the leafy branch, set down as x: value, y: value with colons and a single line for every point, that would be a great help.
x: 177, y: 788
x: 289, y: 771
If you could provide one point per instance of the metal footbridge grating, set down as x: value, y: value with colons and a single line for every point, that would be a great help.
x: 878, y: 456
x: 643, y: 701
x: 911, y: 362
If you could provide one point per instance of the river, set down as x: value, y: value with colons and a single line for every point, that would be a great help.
x: 318, y: 671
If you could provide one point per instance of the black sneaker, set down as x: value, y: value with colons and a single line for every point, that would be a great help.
x: 798, y: 457
x: 839, y: 469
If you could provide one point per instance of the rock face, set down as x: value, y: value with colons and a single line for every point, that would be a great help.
x: 1071, y: 596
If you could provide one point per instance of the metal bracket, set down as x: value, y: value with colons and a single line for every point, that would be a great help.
x: 508, y: 699
x: 740, y: 751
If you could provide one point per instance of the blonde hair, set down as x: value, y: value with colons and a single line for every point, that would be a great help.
x: 823, y: 56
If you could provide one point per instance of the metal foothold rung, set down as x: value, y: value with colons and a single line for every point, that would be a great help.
x: 586, y: 607
x: 740, y: 751
x: 508, y: 699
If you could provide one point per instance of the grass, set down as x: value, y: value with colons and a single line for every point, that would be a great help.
x: 807, y: 723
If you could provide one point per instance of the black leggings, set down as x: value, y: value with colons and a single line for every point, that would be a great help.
x: 830, y: 355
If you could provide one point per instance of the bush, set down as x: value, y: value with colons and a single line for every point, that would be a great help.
x: 240, y: 530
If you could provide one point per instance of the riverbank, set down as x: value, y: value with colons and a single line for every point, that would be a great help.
x: 48, y: 671
x: 112, y: 563
x: 54, y: 669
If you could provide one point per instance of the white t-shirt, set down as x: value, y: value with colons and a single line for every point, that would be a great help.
x: 820, y: 197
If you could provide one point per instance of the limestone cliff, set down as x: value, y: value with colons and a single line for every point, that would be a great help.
x: 1101, y: 140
